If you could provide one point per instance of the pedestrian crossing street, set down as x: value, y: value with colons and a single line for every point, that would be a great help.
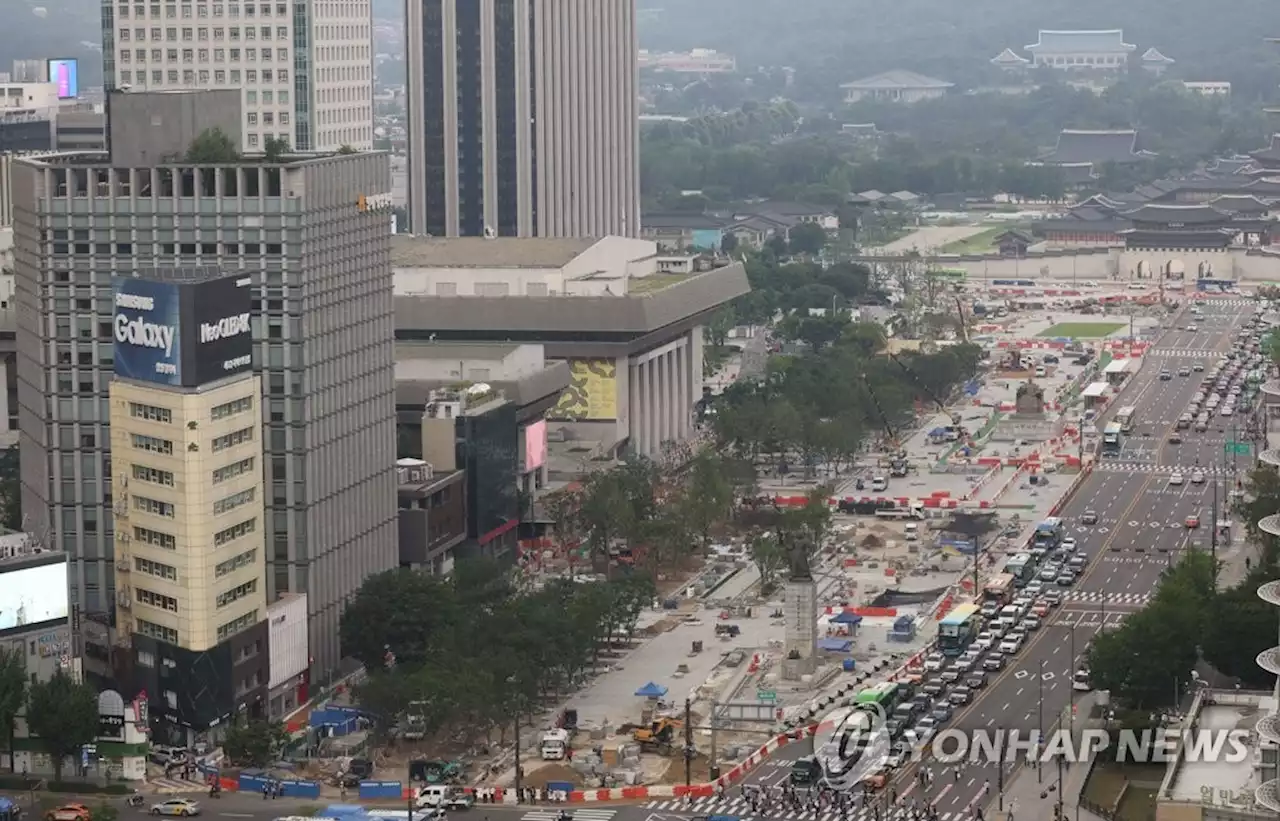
x: 741, y: 807
x: 1217, y: 472
x: 1095, y: 597
x: 579, y: 814
x: 177, y: 785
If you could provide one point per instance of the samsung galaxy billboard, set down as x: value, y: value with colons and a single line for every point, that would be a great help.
x: 183, y: 333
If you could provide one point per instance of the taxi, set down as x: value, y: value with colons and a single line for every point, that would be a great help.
x: 182, y: 807
x: 68, y: 812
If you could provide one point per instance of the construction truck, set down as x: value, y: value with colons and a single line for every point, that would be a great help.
x: 658, y: 736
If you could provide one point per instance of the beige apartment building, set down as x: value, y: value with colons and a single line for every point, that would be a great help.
x: 188, y: 494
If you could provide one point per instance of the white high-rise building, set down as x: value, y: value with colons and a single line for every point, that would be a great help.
x: 304, y: 67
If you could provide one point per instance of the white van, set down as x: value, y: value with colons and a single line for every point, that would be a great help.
x: 443, y: 796
x: 879, y: 483
x: 911, y: 532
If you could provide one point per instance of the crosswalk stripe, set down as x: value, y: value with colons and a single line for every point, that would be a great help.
x: 1108, y: 466
x: 1110, y: 598
x: 586, y: 814
x: 740, y: 807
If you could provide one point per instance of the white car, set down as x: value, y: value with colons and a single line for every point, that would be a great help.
x: 1197, y: 478
x: 1068, y: 543
x: 1176, y: 479
x: 1080, y: 681
x: 933, y: 662
x: 984, y: 641
x: 1012, y: 643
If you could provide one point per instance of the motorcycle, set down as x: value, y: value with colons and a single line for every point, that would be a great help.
x: 134, y: 800
x: 564, y: 815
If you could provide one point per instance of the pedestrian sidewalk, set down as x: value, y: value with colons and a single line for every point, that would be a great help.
x: 1027, y: 797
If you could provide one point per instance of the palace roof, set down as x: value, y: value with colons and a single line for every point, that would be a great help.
x: 1080, y: 146
x: 897, y: 78
x: 1269, y: 154
x: 1009, y: 57
x: 1153, y: 56
x: 1240, y: 204
x: 1081, y: 42
x: 1177, y: 215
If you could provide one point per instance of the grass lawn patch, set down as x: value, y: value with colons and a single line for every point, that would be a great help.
x: 1104, y: 786
x: 1082, y: 330
x: 980, y: 243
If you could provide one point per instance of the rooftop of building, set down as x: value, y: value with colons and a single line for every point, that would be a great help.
x: 897, y: 79
x: 1178, y: 214
x: 408, y: 250
x: 1094, y: 146
x: 1081, y: 41
x: 1218, y: 710
x: 186, y: 274
x: 1009, y: 57
x: 520, y: 372
x: 1153, y: 55
x: 415, y: 477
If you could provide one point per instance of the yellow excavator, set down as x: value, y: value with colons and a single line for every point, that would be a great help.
x: 659, y: 735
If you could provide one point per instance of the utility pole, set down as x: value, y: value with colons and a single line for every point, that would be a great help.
x: 1040, y: 723
x: 688, y: 741
x: 518, y: 768
x: 1000, y: 772
x: 715, y: 753
x: 1213, y: 537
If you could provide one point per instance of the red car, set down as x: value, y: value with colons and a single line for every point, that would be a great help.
x: 1192, y: 521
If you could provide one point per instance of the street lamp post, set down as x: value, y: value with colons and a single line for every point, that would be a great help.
x: 1040, y: 724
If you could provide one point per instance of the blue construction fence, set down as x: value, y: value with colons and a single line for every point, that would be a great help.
x: 289, y: 788
x: 381, y: 790
x: 336, y: 720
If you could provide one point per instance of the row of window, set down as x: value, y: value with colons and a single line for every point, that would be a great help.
x: 234, y: 501
x: 220, y: 77
x: 238, y: 592
x: 152, y: 599
x: 235, y: 563
x: 152, y: 413
x: 151, y: 444
x: 236, y: 625
x: 233, y: 470
x: 189, y: 34
x: 153, y: 506
x: 203, y: 10
x: 154, y: 538
x: 236, y: 406
x: 230, y: 440
x: 153, y: 475
x: 234, y: 532
x: 158, y: 569
x: 156, y: 631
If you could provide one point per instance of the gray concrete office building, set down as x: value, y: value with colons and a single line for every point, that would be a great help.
x: 312, y: 234
x: 523, y: 118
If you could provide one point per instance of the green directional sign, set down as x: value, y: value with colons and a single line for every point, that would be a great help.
x: 1239, y: 448
x: 767, y: 695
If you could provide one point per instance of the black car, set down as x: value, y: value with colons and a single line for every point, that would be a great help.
x: 1090, y: 517
x: 976, y: 681
x: 1175, y: 438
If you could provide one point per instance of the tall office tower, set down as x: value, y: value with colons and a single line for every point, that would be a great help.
x: 304, y: 68
x: 186, y: 482
x: 523, y: 117
x: 313, y: 235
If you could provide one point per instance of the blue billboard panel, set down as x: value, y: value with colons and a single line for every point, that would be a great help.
x: 148, y: 338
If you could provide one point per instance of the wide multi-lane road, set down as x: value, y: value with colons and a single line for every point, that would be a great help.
x: 1140, y: 531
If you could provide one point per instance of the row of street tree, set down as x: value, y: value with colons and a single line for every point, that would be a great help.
x: 469, y: 652
x: 62, y: 713
x: 1191, y: 619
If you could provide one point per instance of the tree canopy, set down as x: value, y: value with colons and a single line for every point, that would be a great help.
x: 472, y: 650
x: 253, y: 743
x: 64, y: 715
x: 1148, y: 659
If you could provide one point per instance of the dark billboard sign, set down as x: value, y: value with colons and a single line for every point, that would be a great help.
x: 183, y: 334
x: 221, y: 338
x: 148, y: 344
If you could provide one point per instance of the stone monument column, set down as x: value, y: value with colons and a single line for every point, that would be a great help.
x: 801, y: 613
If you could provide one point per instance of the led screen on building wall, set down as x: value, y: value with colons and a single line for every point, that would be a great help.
x: 592, y: 394
x: 33, y: 593
x: 221, y: 337
x: 535, y: 445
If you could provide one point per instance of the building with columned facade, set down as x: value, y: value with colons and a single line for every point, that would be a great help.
x: 626, y: 318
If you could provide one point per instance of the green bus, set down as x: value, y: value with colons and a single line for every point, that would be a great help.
x: 885, y: 695
x: 956, y: 275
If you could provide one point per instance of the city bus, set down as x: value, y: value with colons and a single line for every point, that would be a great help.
x: 1111, y: 438
x: 958, y: 630
x: 1124, y: 418
x: 886, y: 696
x: 953, y: 275
x: 1049, y: 533
x: 1022, y: 567
x: 999, y: 590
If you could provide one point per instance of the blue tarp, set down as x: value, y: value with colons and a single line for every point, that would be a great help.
x: 845, y: 617
x: 835, y: 645
x: 938, y: 432
x: 651, y: 690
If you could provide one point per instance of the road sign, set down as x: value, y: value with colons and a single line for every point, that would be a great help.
x: 1238, y: 448
x: 767, y: 695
